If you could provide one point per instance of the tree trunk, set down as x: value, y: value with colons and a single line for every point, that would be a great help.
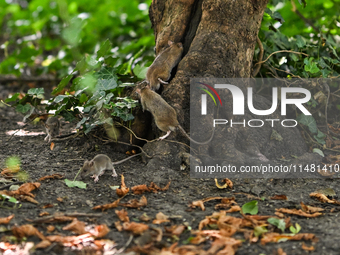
x: 219, y: 38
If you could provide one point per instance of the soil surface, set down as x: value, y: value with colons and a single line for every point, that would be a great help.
x: 38, y: 160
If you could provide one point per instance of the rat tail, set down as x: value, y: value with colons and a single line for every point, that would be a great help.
x: 123, y: 160
x: 192, y: 140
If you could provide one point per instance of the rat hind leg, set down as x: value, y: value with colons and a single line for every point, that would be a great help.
x: 114, y: 174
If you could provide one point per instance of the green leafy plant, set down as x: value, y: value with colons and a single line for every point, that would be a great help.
x: 78, y: 184
x: 279, y: 223
x: 250, y: 207
x: 295, y: 229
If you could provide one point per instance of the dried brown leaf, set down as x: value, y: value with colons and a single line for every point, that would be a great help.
x: 26, y: 188
x: 53, y: 176
x: 281, y: 252
x: 26, y: 231
x: 298, y: 212
x: 134, y: 203
x: 123, y: 189
x: 135, y: 228
x: 50, y: 228
x: 160, y: 218
x: 123, y: 215
x: 76, y: 226
x: 227, y: 184
x: 44, y: 214
x: 118, y: 226
x: 277, y: 237
x: 47, y: 206
x: 6, y: 220
x: 100, y: 231
x: 140, y: 189
x: 323, y: 198
x: 154, y: 188
x: 107, y: 206
x: 43, y: 244
x: 310, y: 209
x: 198, y: 203
x: 307, y: 248
x: 279, y: 197
x: 52, y: 146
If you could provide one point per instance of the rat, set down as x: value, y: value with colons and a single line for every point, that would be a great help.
x: 165, y: 116
x: 99, y: 164
x: 160, y: 70
x: 52, y: 126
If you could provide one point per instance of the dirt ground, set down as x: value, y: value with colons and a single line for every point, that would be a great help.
x: 38, y: 160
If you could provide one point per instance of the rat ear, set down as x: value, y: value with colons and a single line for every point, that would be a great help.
x: 91, y: 163
x: 138, y: 91
x: 170, y: 43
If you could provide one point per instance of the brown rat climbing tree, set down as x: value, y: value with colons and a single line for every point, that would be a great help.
x: 219, y: 38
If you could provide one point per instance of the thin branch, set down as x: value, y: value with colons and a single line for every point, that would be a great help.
x: 280, y: 51
x: 257, y: 69
x: 294, y: 9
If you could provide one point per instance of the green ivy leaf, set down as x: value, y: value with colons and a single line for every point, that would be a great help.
x: 62, y: 84
x: 12, y: 98
x: 78, y: 184
x: 309, y: 121
x: 300, y: 41
x: 23, y: 108
x: 250, y: 207
x: 259, y: 230
x: 36, y: 91
x: 320, y: 137
x: 106, y: 46
x: 279, y: 223
x: 140, y: 71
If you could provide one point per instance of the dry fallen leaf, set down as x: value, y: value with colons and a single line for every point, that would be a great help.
x: 134, y: 203
x: 279, y: 197
x: 9, y: 171
x: 123, y: 189
x: 25, y: 231
x: 198, y: 203
x: 26, y: 188
x: 6, y: 220
x: 100, y: 231
x: 53, y: 176
x: 160, y: 218
x: 76, y: 226
x: 50, y: 228
x: 140, y: 189
x: 107, y: 206
x: 277, y: 237
x: 310, y: 209
x: 307, y: 248
x: 323, y: 198
x: 281, y: 252
x: 47, y: 206
x: 175, y: 230
x: 123, y: 215
x: 52, y: 146
x: 298, y: 212
x: 227, y: 184
x: 44, y: 214
x: 135, y: 228
x: 43, y: 244
x: 154, y: 188
x: 118, y: 226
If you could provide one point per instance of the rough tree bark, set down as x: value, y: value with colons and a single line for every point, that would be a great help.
x: 219, y: 38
